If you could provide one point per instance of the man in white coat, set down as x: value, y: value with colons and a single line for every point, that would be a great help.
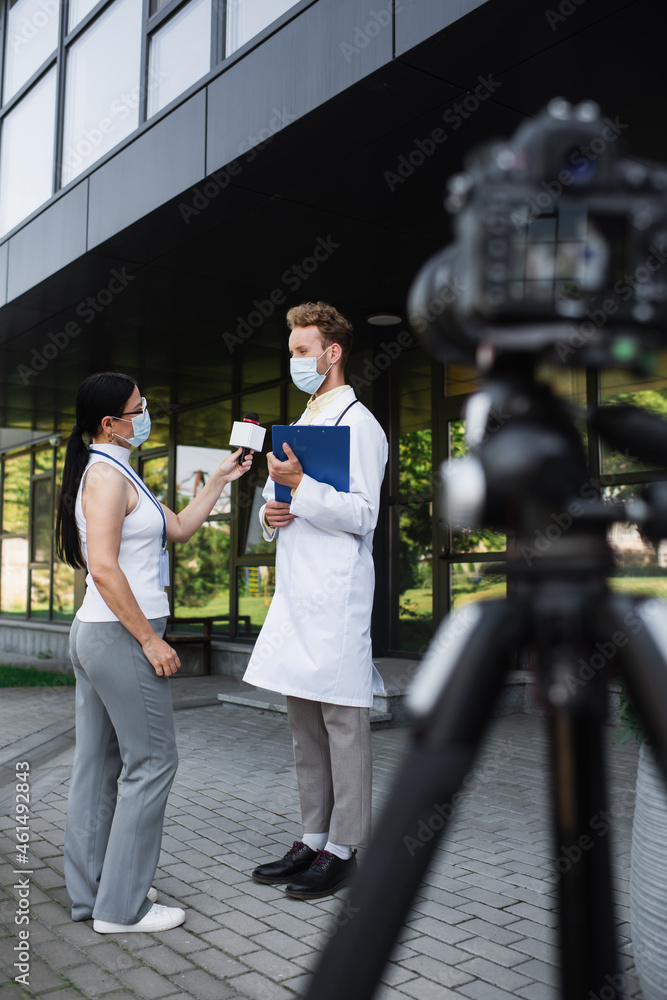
x: 315, y: 645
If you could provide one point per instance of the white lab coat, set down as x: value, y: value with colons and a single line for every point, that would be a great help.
x: 316, y: 642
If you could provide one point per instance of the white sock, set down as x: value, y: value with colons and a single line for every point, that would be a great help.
x: 345, y: 853
x: 315, y: 841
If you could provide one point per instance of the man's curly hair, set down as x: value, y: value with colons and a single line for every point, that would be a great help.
x: 333, y: 327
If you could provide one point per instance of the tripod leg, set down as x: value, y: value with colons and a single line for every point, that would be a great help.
x: 587, y: 929
x: 637, y: 632
x: 565, y: 629
x: 453, y: 694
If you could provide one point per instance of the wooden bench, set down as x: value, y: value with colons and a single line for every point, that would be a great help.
x: 205, y: 638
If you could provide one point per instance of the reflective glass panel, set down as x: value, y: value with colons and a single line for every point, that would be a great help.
x: 246, y: 18
x: 155, y: 473
x: 40, y: 587
x: 63, y: 592
x: 42, y: 520
x: 470, y: 539
x: 16, y: 495
x: 476, y: 582
x: 102, y: 91
x: 77, y: 11
x: 14, y: 577
x: 32, y: 36
x: 26, y: 153
x: 200, y: 433
x: 415, y: 512
x: 180, y: 54
x: 201, y: 573
x: 640, y: 566
x: 648, y: 393
x: 44, y: 460
x: 415, y: 602
x: 249, y: 498
x: 255, y: 589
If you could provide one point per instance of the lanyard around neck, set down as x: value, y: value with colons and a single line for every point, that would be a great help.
x: 142, y: 486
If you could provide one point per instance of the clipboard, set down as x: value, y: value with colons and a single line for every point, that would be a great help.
x: 324, y: 453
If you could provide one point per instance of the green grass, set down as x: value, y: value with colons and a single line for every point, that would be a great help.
x: 11, y: 676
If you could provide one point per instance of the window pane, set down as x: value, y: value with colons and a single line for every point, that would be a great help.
x: 415, y: 603
x: 246, y: 18
x: 42, y: 520
x: 14, y: 576
x: 196, y: 459
x: 256, y: 585
x: 415, y: 514
x: 63, y: 592
x: 470, y: 539
x: 102, y: 91
x: 648, y: 393
x: 476, y: 582
x: 267, y: 405
x: 16, y: 494
x: 26, y: 155
x: 201, y: 573
x: 44, y: 460
x: 155, y: 474
x: 40, y: 585
x: 78, y: 10
x: 180, y: 54
x: 32, y: 35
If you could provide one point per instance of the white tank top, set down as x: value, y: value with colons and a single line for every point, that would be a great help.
x: 140, y: 546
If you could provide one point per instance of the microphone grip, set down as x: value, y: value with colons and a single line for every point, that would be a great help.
x: 244, y: 454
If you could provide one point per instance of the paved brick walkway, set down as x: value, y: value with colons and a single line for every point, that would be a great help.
x: 481, y: 927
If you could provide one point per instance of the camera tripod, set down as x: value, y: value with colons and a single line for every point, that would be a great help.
x: 530, y: 477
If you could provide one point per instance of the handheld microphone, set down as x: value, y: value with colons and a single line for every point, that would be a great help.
x: 247, y: 434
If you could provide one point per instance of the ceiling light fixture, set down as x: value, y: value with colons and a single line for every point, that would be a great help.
x: 384, y: 319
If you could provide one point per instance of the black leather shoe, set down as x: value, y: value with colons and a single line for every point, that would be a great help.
x: 298, y: 859
x: 326, y: 874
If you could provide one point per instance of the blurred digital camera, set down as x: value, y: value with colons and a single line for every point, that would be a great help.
x: 560, y: 248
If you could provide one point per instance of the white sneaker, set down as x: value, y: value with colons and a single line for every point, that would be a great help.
x: 158, y: 918
x: 152, y: 894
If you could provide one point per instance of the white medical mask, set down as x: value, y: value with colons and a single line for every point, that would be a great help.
x: 141, y: 425
x: 305, y: 374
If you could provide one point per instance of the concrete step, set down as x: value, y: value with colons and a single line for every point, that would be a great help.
x: 235, y: 693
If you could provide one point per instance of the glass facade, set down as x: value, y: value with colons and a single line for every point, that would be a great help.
x: 32, y: 36
x: 226, y: 573
x: 102, y: 92
x: 246, y: 18
x: 27, y: 139
x: 180, y: 53
x: 71, y: 94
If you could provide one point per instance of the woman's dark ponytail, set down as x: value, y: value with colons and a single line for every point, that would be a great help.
x: 68, y: 543
x: 99, y: 396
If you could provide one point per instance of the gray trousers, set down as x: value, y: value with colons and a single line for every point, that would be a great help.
x: 332, y: 753
x: 123, y: 720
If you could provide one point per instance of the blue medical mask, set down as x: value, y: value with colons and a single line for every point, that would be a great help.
x: 141, y: 425
x: 305, y: 374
